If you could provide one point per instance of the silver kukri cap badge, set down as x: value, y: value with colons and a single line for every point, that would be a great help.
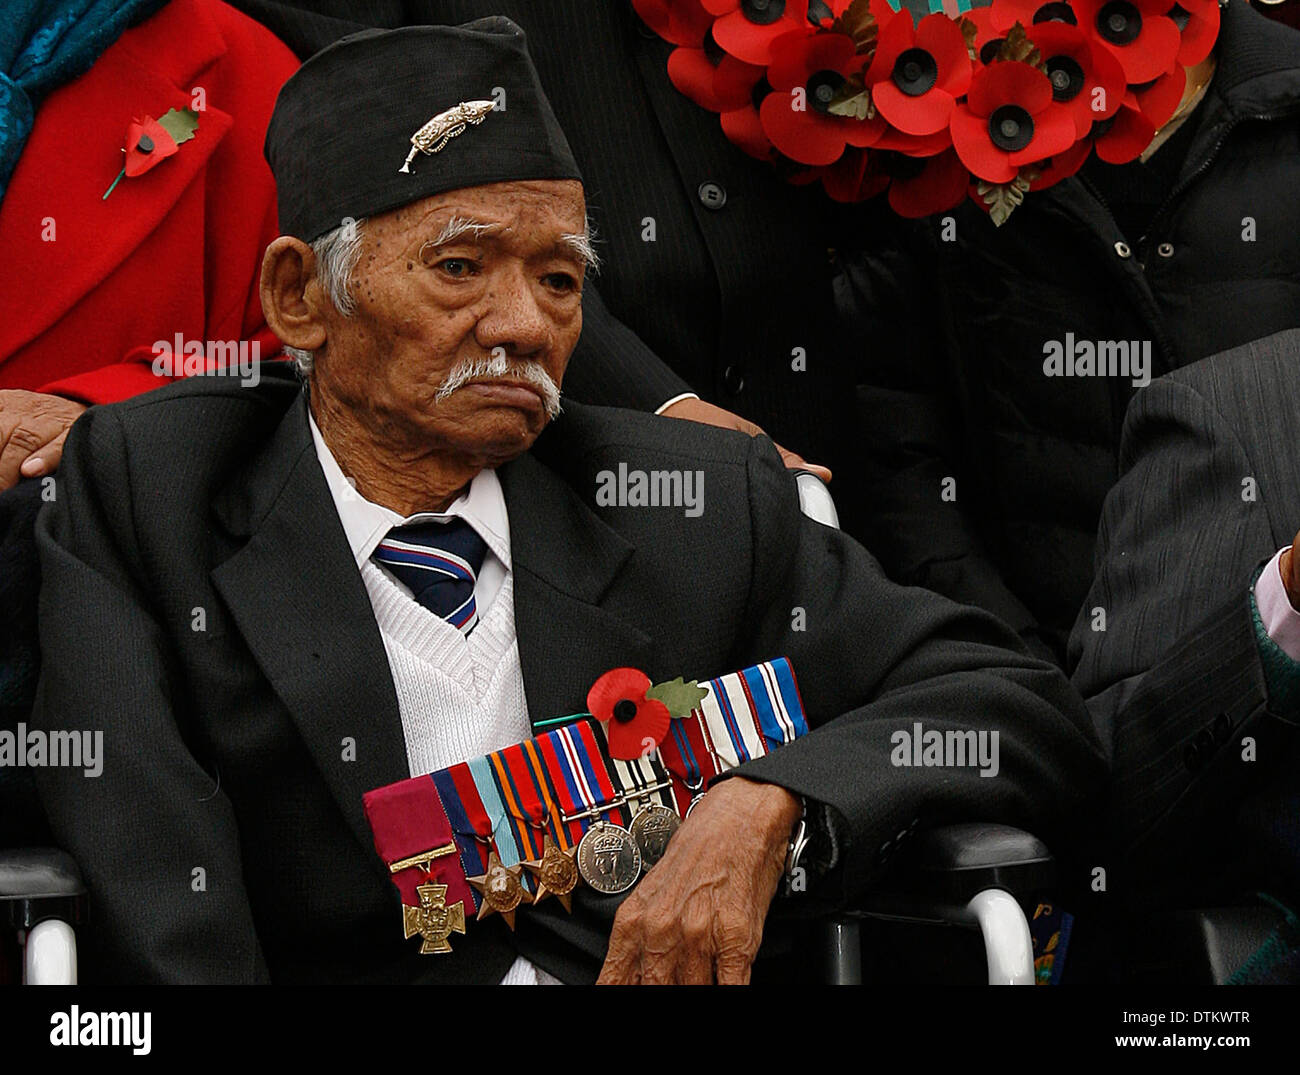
x: 445, y: 126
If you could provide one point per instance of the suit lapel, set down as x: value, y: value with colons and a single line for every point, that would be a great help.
x: 303, y: 610
x: 74, y: 152
x: 564, y: 561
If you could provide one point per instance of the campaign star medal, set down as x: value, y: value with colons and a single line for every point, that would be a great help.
x: 433, y: 919
x: 445, y: 126
x: 556, y: 873
x: 151, y: 141
x: 501, y: 888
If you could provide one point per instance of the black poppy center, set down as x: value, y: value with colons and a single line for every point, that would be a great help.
x: 624, y: 711
x: 1056, y: 13
x: 145, y: 145
x: 1181, y: 16
x: 761, y: 89
x: 819, y: 11
x: 1066, y: 77
x: 915, y: 72
x: 989, y: 50
x: 1119, y: 22
x: 1011, y: 128
x: 762, y: 12
x: 822, y: 88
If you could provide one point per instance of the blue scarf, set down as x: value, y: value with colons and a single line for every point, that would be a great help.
x: 45, y: 43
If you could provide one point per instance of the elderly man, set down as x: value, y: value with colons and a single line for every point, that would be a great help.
x: 237, y: 620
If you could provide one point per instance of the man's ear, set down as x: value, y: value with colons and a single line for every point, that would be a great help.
x: 292, y: 311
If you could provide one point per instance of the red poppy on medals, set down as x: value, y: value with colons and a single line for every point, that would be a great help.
x: 1009, y: 120
x: 1086, y: 79
x: 1138, y: 32
x: 1198, y: 27
x: 747, y: 28
x: 681, y: 22
x: 805, y: 74
x: 618, y: 700
x: 1124, y: 136
x: 918, y: 73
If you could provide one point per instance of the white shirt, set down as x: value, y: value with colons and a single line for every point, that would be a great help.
x: 433, y: 724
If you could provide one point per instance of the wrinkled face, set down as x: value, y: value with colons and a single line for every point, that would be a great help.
x: 480, y: 288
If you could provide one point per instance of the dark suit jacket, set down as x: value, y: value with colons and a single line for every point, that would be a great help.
x: 1175, y: 682
x: 224, y: 745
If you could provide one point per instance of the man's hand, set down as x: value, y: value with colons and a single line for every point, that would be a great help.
x: 696, y: 410
x: 697, y: 916
x: 33, y: 427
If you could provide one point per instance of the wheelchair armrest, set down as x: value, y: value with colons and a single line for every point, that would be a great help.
x: 973, y: 874
x: 38, y: 884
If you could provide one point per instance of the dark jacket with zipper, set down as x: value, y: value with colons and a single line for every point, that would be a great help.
x: 953, y: 319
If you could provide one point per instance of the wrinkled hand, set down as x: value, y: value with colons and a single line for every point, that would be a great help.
x: 697, y: 916
x: 696, y: 410
x: 33, y: 427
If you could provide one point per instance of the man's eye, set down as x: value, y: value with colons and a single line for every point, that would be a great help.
x: 457, y: 267
x: 560, y: 281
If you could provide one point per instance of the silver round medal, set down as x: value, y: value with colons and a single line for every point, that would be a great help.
x: 608, y: 858
x: 652, y: 828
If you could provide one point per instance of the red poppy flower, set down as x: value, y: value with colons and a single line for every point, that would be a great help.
x: 147, y: 144
x: 681, y: 22
x: 988, y: 37
x: 747, y: 28
x: 1124, y: 136
x: 914, y: 145
x: 719, y: 87
x: 1160, y: 99
x: 617, y: 699
x: 855, y: 177
x: 1008, y: 120
x: 1086, y: 79
x: 918, y: 73
x: 1062, y: 166
x: 921, y: 187
x: 744, y: 130
x: 805, y: 74
x: 1198, y: 27
x: 1006, y: 13
x: 1138, y: 32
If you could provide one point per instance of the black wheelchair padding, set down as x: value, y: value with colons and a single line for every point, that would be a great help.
x: 38, y: 884
x: 955, y: 862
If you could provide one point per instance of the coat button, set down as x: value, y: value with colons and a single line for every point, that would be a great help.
x: 733, y: 380
x: 1122, y: 249
x: 712, y: 195
x: 1165, y: 250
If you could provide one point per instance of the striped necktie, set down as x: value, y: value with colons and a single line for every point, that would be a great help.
x: 438, y: 562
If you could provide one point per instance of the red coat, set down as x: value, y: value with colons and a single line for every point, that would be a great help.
x: 176, y: 250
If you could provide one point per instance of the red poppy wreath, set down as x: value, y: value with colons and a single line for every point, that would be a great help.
x: 992, y: 104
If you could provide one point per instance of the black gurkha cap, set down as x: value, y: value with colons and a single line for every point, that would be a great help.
x: 340, y: 139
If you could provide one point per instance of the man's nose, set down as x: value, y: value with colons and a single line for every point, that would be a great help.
x: 513, y: 319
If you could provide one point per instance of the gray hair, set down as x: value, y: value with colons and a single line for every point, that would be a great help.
x: 338, y: 251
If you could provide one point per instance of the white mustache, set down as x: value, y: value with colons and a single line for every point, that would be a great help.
x: 498, y: 365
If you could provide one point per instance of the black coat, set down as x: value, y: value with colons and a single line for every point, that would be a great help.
x: 739, y: 273
x: 953, y: 335
x: 222, y: 747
